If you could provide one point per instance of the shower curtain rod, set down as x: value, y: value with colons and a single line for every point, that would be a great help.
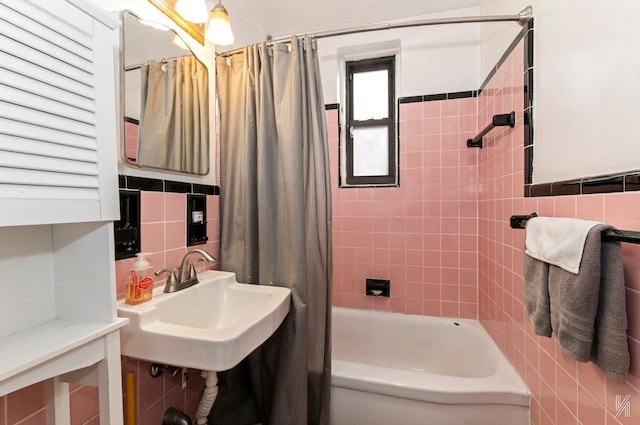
x: 134, y: 67
x: 521, y: 18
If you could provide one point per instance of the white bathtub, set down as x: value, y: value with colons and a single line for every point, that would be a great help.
x: 390, y: 368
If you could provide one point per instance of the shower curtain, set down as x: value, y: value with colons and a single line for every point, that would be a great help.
x: 275, y: 218
x: 174, y: 117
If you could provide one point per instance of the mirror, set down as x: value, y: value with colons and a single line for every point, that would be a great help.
x: 168, y: 7
x: 165, y: 100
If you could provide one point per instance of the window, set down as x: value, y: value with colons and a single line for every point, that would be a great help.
x: 370, y: 122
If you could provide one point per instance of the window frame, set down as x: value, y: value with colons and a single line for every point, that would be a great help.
x: 387, y: 63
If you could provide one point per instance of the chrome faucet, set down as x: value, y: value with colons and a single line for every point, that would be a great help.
x: 185, y: 275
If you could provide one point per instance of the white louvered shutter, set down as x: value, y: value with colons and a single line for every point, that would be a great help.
x: 57, y: 115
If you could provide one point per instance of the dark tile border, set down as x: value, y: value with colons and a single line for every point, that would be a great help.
x: 626, y: 182
x: 603, y: 185
x: 158, y: 185
x: 177, y: 187
x: 432, y: 97
x: 143, y: 183
x: 538, y: 190
x: 527, y: 107
x: 565, y: 188
x: 331, y: 106
x: 632, y: 182
x: 462, y: 94
x: 410, y: 99
x: 439, y: 96
x: 528, y: 88
x: 528, y: 164
x: 205, y: 189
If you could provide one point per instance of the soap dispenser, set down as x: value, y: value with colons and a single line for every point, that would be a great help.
x: 140, y: 286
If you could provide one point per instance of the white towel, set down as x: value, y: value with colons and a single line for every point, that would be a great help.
x: 557, y: 241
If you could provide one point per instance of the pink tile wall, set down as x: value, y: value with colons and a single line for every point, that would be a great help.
x: 564, y: 392
x: 27, y: 406
x: 131, y: 140
x: 421, y: 235
x: 155, y: 395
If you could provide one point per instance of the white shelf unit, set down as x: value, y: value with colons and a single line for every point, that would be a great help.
x: 59, y: 197
x: 58, y: 321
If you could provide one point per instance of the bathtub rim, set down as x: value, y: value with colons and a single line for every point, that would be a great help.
x: 504, y: 387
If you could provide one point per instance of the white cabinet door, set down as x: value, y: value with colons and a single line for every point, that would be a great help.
x: 58, y: 128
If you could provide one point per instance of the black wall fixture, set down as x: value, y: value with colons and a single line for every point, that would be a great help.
x: 196, y: 219
x: 498, y: 120
x: 127, y: 229
x: 377, y: 287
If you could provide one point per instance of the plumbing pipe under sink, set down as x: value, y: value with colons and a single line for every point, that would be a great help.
x: 173, y: 416
x: 208, y: 396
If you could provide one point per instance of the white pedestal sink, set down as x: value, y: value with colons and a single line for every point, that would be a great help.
x: 211, y: 326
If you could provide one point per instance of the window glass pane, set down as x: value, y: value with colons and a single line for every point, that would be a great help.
x: 370, y: 95
x: 371, y: 151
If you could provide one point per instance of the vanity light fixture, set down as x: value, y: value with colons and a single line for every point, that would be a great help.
x: 219, y: 30
x: 193, y: 10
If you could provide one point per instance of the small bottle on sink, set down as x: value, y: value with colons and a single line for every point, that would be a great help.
x: 140, y: 286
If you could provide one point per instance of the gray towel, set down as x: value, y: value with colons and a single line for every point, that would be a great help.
x: 610, y: 349
x: 536, y: 294
x: 574, y: 300
x: 586, y: 311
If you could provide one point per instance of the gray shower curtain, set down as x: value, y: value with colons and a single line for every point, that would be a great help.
x: 275, y: 217
x: 174, y: 116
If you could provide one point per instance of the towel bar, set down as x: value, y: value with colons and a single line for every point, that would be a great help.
x: 629, y: 236
x: 498, y: 120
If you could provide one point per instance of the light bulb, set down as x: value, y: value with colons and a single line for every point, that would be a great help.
x: 219, y: 30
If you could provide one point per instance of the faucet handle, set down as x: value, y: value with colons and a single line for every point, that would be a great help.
x: 172, y: 279
x: 192, y: 269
